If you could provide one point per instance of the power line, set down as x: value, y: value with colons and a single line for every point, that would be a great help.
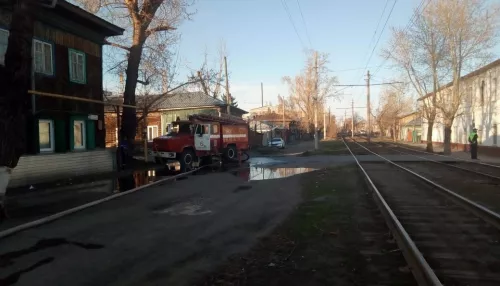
x: 383, y: 29
x: 364, y: 85
x: 408, y: 26
x: 291, y: 21
x: 304, y: 22
x: 378, y: 24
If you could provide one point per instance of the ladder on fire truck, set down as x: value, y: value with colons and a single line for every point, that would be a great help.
x: 224, y: 118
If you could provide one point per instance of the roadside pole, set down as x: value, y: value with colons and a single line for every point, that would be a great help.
x: 352, y: 121
x: 324, y: 124
x: 316, y: 139
x: 228, y: 95
x: 368, y: 108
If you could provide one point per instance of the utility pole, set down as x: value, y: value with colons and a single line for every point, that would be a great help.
x: 352, y: 121
x: 368, y: 110
x: 283, y: 102
x: 228, y: 95
x: 324, y: 124
x: 345, y: 120
x: 316, y: 139
x: 262, y: 94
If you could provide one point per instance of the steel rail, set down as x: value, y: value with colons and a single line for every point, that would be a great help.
x: 485, y: 214
x: 422, y: 272
x: 456, y: 158
x: 441, y: 163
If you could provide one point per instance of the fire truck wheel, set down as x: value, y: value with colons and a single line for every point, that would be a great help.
x: 186, y: 160
x: 231, y: 153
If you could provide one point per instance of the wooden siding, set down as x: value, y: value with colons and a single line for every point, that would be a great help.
x: 43, y: 168
x: 65, y: 39
x: 53, y: 108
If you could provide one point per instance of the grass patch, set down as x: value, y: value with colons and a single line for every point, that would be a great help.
x: 330, y: 147
x: 324, y: 242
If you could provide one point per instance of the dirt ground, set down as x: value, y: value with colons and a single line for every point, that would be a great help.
x: 335, y: 237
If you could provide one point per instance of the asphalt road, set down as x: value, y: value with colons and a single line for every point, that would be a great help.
x: 165, y: 235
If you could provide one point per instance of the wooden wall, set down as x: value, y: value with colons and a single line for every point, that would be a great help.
x: 42, y: 168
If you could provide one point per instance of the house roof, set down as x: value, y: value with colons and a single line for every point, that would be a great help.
x: 105, y: 28
x: 409, y: 114
x: 414, y: 122
x: 272, y: 117
x: 469, y: 75
x: 188, y: 100
x: 184, y: 100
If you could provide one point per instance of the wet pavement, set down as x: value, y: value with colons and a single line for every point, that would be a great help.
x: 32, y: 202
x: 165, y: 235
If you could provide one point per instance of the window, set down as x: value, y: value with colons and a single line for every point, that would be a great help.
x: 215, y: 129
x: 4, y: 41
x: 78, y: 134
x: 77, y: 66
x: 46, y: 135
x: 152, y: 132
x: 43, y: 57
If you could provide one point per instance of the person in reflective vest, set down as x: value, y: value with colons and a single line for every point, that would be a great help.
x: 473, y: 143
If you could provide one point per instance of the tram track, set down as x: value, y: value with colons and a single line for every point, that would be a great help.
x: 445, y: 237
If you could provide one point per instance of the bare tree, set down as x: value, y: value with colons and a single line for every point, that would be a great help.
x: 148, y: 24
x: 394, y: 102
x: 469, y: 28
x: 302, y: 87
x: 211, y: 79
x: 418, y: 53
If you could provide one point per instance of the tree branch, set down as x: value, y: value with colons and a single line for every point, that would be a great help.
x: 159, y: 29
x: 106, y: 42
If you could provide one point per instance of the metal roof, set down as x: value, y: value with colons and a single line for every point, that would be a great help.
x: 188, y: 100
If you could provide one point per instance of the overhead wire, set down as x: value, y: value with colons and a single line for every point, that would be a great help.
x: 287, y: 10
x: 382, y: 32
x: 305, y: 25
x: 408, y: 26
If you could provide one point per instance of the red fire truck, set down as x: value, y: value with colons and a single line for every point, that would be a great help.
x: 190, y: 143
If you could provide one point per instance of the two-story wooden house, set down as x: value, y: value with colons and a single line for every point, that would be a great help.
x: 65, y: 137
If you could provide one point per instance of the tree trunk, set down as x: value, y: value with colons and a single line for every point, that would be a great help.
x: 447, y: 136
x: 14, y: 83
x: 430, y: 127
x: 129, y: 115
x: 394, y: 134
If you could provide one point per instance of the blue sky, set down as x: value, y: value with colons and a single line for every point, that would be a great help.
x: 263, y: 46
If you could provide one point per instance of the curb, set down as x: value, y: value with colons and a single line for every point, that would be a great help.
x: 59, y: 215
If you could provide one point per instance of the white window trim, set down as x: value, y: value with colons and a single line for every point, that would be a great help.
x: 72, y: 76
x: 153, y: 127
x: 51, y: 130
x: 84, y: 136
x: 8, y: 33
x: 43, y: 54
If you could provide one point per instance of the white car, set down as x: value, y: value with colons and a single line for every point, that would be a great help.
x: 277, y: 142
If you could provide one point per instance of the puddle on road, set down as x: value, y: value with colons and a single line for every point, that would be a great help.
x: 259, y: 173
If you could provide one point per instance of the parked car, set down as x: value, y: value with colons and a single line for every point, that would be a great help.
x: 277, y: 142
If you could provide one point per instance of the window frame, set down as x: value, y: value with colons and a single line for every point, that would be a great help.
x: 153, y: 127
x: 52, y: 65
x: 84, y: 135
x: 2, y: 61
x: 51, y: 136
x: 84, y: 66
